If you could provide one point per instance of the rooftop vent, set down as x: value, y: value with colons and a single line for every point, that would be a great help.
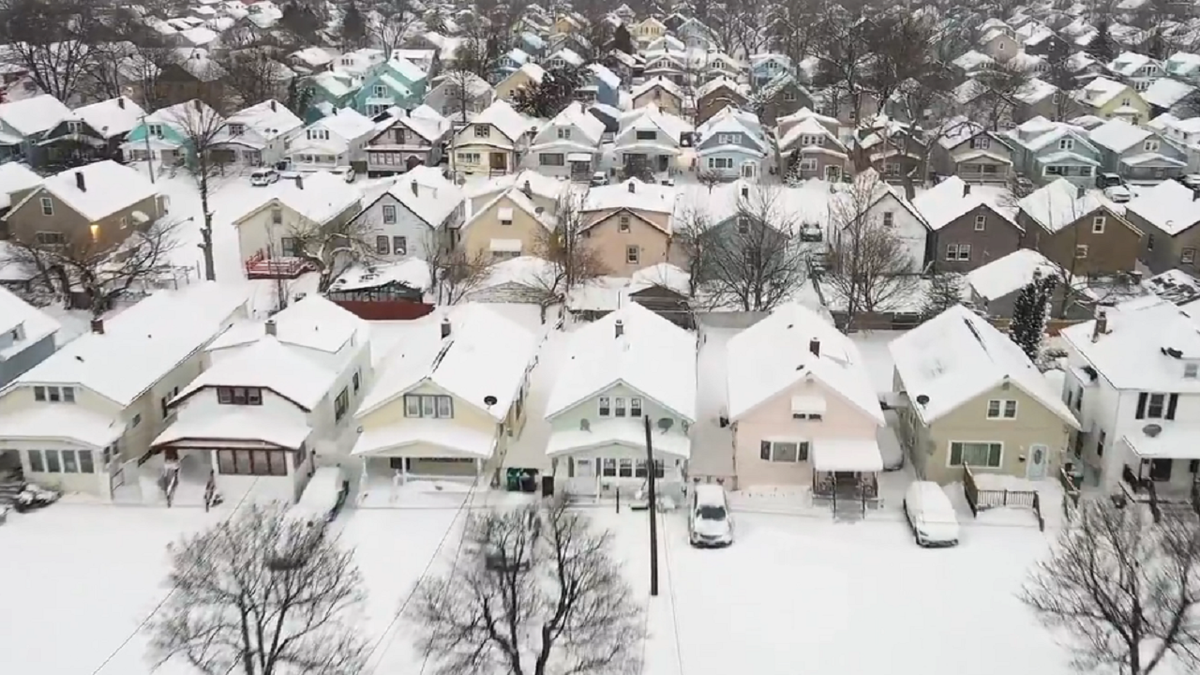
x: 922, y: 399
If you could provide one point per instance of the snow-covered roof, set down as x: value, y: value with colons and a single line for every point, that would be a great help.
x: 15, y: 177
x: 644, y: 351
x: 957, y: 356
x: 73, y: 423
x: 1118, y: 135
x: 717, y: 83
x: 142, y: 344
x: 347, y: 123
x: 504, y: 118
x: 426, y: 122
x: 319, y: 197
x: 602, y: 73
x: 270, y: 364
x: 236, y: 423
x: 540, y: 185
x: 1009, y: 273
x: 312, y: 322
x: 953, y: 198
x: 426, y: 192
x: 1128, y: 63
x: 518, y: 199
x: 568, y: 56
x: 972, y: 60
x: 662, y: 274
x: 114, y: 117
x: 632, y: 194
x: 533, y: 71
x: 1100, y: 91
x: 108, y: 187
x: 486, y: 356
x: 30, y: 323
x: 1060, y: 204
x: 774, y: 355
x: 1034, y: 90
x: 576, y: 115
x: 194, y: 113
x: 315, y: 57
x: 411, y: 272
x: 33, y: 115
x: 650, y: 117
x: 269, y: 118
x: 659, y: 83
x: 1166, y: 92
x: 1132, y: 353
x: 406, y: 68
x: 1170, y: 206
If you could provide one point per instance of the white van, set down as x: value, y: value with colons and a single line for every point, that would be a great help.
x: 709, y: 523
x: 930, y: 515
x: 263, y: 177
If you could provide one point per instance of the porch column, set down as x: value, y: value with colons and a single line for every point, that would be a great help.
x: 404, y: 471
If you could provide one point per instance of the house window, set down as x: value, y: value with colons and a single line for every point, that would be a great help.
x: 981, y: 142
x: 958, y: 252
x: 1081, y: 252
x: 889, y: 219
x: 1151, y: 145
x: 483, y: 131
x: 1156, y: 406
x: 1187, y: 256
x: 743, y: 225
x: 341, y: 404
x: 47, y: 206
x: 619, y: 407
x: 429, y: 406
x: 789, y: 95
x: 551, y: 159
x: 290, y: 246
x: 237, y: 129
x: 381, y: 244
x: 1098, y: 225
x: 155, y: 130
x: 720, y: 162
x: 632, y: 255
x: 252, y: 462
x: 980, y: 223
x: 639, y: 469
x: 357, y: 381
x: 808, y: 164
x: 1002, y: 409
x: 239, y: 395
x: 783, y: 451
x: 399, y: 245
x: 317, y: 134
x: 54, y: 394
x: 726, y: 139
x: 623, y: 223
x: 468, y: 157
x: 976, y: 454
x: 635, y: 406
x: 276, y: 216
x: 649, y: 135
x: 389, y: 214
x: 563, y: 133
x: 891, y: 169
x: 51, y: 239
x: 379, y: 91
x: 1066, y: 144
x: 1190, y: 370
x: 1100, y: 444
x: 137, y: 419
x: 604, y: 409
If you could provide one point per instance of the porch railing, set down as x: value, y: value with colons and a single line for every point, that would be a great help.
x: 981, y: 499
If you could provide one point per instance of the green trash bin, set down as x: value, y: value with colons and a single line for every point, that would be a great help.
x: 512, y: 480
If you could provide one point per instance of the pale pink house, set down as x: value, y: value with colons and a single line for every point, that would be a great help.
x: 802, y: 407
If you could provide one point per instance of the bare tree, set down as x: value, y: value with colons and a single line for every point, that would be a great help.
x: 1000, y: 83
x: 391, y: 22
x: 455, y: 271
x: 573, y: 260
x: 753, y: 262
x: 793, y: 28
x: 537, y: 591
x: 262, y: 594
x: 335, y: 247
x: 870, y: 267
x: 51, y: 40
x: 103, y: 268
x: 202, y: 127
x: 689, y: 236
x: 253, y: 65
x: 842, y: 57
x: 1126, y: 589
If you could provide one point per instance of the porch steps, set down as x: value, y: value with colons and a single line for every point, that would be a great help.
x: 9, y: 491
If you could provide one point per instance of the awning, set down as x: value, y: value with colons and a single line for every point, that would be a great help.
x: 847, y: 455
x: 505, y: 213
x: 1170, y: 442
x: 506, y: 245
x: 808, y: 404
x: 422, y: 439
x: 73, y: 423
x: 624, y: 433
x: 241, y: 426
x: 579, y: 157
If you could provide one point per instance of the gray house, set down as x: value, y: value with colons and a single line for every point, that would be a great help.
x: 1137, y: 154
x: 26, y: 336
x: 419, y: 212
x: 1044, y: 151
x: 1168, y: 215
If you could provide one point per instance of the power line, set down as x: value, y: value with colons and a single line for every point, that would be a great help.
x: 671, y: 593
x: 170, y: 594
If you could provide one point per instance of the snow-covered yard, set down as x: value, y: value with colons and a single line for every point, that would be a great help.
x: 791, y: 593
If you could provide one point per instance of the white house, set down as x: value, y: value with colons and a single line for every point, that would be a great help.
x: 27, y: 334
x: 275, y: 401
x: 1133, y: 379
x: 886, y: 204
x: 628, y: 365
x: 258, y: 135
x: 81, y: 419
x: 567, y: 145
x: 649, y: 137
x: 332, y: 141
x: 449, y: 397
x: 419, y: 211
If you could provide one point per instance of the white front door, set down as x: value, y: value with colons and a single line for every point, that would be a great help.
x: 1035, y: 466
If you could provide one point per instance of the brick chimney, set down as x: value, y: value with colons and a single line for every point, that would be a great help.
x: 1101, y: 326
x: 98, y: 326
x: 632, y: 186
x: 619, y: 328
x: 121, y: 102
x: 814, y: 346
x: 966, y: 189
x: 445, y: 328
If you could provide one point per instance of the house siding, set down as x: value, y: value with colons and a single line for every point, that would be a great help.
x: 485, y: 227
x: 1114, y: 250
x: 27, y: 220
x: 1161, y: 251
x: 420, y: 238
x: 17, y: 363
x: 998, y: 238
x: 654, y: 244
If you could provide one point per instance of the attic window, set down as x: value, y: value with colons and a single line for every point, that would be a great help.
x: 789, y: 95
x: 980, y: 223
x: 808, y: 407
x: 317, y: 134
x: 743, y: 225
x: 564, y: 134
x: 483, y: 131
x: 648, y: 135
x: 155, y: 130
x: 237, y: 129
x: 1066, y: 144
x: 1151, y: 145
x: 1098, y: 224
x: 623, y: 223
x: 73, y: 127
x: 1190, y: 370
x: 982, y: 142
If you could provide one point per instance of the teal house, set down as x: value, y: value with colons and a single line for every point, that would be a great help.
x: 396, y: 82
x: 161, y: 135
x: 331, y: 91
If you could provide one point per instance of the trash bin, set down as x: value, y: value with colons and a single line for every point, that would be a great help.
x: 512, y: 480
x: 547, y: 486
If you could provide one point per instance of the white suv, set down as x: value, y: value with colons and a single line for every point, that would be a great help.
x: 709, y: 523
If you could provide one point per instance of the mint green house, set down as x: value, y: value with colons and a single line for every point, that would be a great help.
x: 161, y: 135
x: 397, y: 82
x: 330, y: 91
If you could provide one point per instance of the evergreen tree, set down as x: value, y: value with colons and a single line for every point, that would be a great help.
x: 622, y: 40
x: 550, y: 96
x: 944, y: 292
x: 1101, y: 47
x: 1030, y: 314
x: 354, y: 26
x: 298, y: 97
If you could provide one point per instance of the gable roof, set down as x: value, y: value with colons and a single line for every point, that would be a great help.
x: 1170, y: 206
x: 956, y: 356
x: 773, y: 355
x: 504, y: 118
x: 318, y: 196
x: 1009, y: 273
x: 347, y: 123
x: 427, y: 194
x: 114, y: 117
x: 950, y: 199
x: 1101, y: 91
x: 108, y: 188
x: 35, y: 324
x: 34, y: 115
x: 540, y: 185
x: 518, y: 199
x: 313, y: 322
x: 631, y: 194
x: 1118, y: 135
x: 652, y: 356
x: 657, y: 83
x: 270, y: 364
x: 1132, y: 352
x: 1059, y: 204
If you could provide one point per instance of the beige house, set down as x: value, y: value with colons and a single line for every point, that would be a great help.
x: 527, y: 76
x: 543, y: 190
x: 970, y: 396
x: 629, y: 225
x: 661, y: 92
x: 81, y: 419
x: 648, y: 30
x: 449, y: 399
x: 490, y: 143
x: 509, y: 226
x: 91, y: 207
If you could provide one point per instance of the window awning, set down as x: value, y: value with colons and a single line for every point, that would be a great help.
x: 579, y: 157
x: 506, y: 245
x: 808, y: 404
x: 847, y: 455
x: 505, y: 213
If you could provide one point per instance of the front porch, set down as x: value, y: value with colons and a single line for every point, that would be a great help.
x: 236, y: 155
x: 66, y: 447
x: 610, y: 457
x: 1164, y: 469
x: 1151, y: 168
x: 845, y: 474
x: 419, y: 449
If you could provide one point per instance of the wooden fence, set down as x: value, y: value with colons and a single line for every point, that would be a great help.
x: 980, y: 499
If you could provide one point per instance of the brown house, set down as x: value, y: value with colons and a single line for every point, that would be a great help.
x: 967, y: 230
x: 91, y: 207
x: 1168, y: 214
x: 628, y: 225
x: 1078, y: 230
x: 195, y: 77
x: 781, y: 97
x: 715, y: 95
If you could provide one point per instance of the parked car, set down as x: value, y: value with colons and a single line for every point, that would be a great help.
x: 709, y: 523
x: 346, y: 172
x: 1192, y: 180
x: 599, y: 178
x: 930, y: 515
x: 264, y: 177
x: 1118, y: 194
x: 1107, y: 180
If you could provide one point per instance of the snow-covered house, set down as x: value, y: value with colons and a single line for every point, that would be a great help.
x: 415, y: 216
x: 562, y: 59
x: 649, y: 139
x: 272, y: 402
x: 1137, y: 154
x: 1078, y: 229
x: 601, y: 85
x: 809, y: 144
x: 1168, y: 215
x: 545, y: 191
x: 973, y: 398
x: 397, y: 82
x: 628, y: 365
x: 509, y: 63
x: 972, y: 153
x: 337, y: 140
x: 968, y: 227
x: 1132, y: 380
x: 165, y: 135
x: 1137, y: 70
x: 568, y: 145
x: 871, y: 198
x: 27, y: 336
x: 82, y: 419
x: 1167, y: 94
x: 411, y: 139
x: 93, y: 131
x: 662, y: 93
x: 1110, y: 99
x: 1045, y: 151
x: 457, y: 93
x: 22, y: 124
x: 281, y: 224
x: 801, y: 406
x: 527, y: 78
x: 732, y: 145
x: 509, y: 225
x: 491, y: 142
x: 995, y: 287
x: 717, y: 94
x: 256, y: 136
x: 448, y: 399
x: 629, y: 226
x: 766, y: 67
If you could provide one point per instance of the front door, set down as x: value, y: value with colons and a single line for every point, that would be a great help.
x: 1035, y: 469
x: 833, y: 173
x: 748, y: 170
x: 497, y: 162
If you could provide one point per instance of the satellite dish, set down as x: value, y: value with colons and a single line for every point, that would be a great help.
x: 665, y: 424
x: 1152, y: 430
x: 489, y: 400
x: 922, y: 399
x: 585, y: 425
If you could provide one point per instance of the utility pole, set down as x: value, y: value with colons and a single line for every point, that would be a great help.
x: 653, y: 510
x: 149, y: 153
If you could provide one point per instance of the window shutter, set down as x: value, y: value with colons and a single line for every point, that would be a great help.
x: 764, y: 450
x: 803, y: 452
x: 1141, y: 409
x: 1171, y: 406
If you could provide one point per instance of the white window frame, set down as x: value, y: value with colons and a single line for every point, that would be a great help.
x: 1081, y: 251
x: 623, y: 223
x: 47, y: 206
x: 1187, y: 256
x: 604, y: 407
x: 635, y: 404
x: 1098, y: 224
x: 980, y: 223
x: 1151, y: 145
x: 889, y: 219
x: 950, y: 454
x: 633, y: 255
x: 803, y: 450
x: 1003, y: 407
x: 1066, y: 144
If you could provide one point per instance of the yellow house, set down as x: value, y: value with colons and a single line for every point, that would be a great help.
x: 509, y: 226
x: 449, y: 398
x: 488, y: 145
x: 661, y: 92
x: 629, y: 226
x: 648, y: 30
x: 1109, y: 99
x: 565, y: 23
x: 528, y: 75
